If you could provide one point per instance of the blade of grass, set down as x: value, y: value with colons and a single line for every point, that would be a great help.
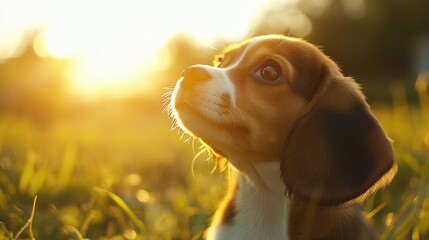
x: 198, y: 235
x: 86, y: 222
x: 406, y: 219
x: 422, y: 88
x: 75, y: 231
x: 37, y: 181
x: 3, y: 226
x: 3, y: 201
x: 67, y: 166
x: 376, y: 210
x: 140, y: 225
x: 29, y: 222
x: 27, y: 172
x: 32, y: 217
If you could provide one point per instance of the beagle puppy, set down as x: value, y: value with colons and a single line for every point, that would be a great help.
x: 300, y: 136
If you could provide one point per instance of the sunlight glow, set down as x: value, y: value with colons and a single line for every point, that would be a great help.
x: 112, y: 42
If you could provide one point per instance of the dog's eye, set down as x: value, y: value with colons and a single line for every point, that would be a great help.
x: 270, y: 71
x: 218, y: 61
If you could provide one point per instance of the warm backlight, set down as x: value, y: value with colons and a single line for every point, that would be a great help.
x: 113, y: 43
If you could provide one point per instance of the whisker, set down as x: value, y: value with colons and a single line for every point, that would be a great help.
x: 166, y: 94
x: 188, y: 139
x: 212, y: 47
x: 234, y: 107
x: 165, y: 104
x: 193, y: 146
x: 166, y: 99
x: 166, y: 108
x: 232, y: 117
x: 290, y: 31
x: 168, y: 88
x: 169, y: 112
x: 225, y: 167
x: 167, y: 119
x: 241, y: 114
x: 181, y: 137
x: 214, y: 168
x: 169, y: 116
x: 194, y: 160
x: 174, y: 127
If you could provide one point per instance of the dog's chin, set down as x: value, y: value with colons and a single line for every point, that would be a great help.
x: 218, y: 135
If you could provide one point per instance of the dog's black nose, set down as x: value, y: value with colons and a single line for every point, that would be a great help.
x: 195, y: 73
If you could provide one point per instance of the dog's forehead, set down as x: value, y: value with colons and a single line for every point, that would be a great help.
x: 267, y: 44
x: 248, y: 45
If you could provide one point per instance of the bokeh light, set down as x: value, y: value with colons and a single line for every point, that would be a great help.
x: 114, y: 42
x: 83, y: 85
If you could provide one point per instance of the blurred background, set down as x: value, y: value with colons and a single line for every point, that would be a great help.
x: 82, y: 127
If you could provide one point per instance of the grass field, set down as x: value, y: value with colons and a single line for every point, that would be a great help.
x: 115, y: 170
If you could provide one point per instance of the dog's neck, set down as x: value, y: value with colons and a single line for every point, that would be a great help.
x: 257, y: 208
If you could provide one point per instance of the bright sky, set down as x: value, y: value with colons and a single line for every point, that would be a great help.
x: 115, y: 40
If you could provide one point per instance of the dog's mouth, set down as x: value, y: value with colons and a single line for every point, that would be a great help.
x: 197, y: 116
x: 219, y: 117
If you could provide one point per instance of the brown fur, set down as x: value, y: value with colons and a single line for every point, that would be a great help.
x: 316, y: 123
x: 309, y: 221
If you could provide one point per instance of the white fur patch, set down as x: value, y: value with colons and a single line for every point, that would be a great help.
x: 242, y: 56
x: 221, y: 83
x: 213, y: 94
x: 262, y: 209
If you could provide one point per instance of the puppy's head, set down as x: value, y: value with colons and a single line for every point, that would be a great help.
x: 275, y: 98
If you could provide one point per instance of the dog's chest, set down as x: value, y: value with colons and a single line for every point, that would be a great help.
x: 260, y: 213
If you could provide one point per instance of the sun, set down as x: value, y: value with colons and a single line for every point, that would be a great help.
x: 114, y: 43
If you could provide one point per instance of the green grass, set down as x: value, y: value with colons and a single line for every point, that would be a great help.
x: 117, y: 171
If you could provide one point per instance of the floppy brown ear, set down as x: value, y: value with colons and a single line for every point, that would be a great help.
x: 337, y: 151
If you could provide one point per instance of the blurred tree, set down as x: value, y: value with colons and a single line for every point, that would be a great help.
x: 32, y: 86
x: 184, y: 51
x: 369, y: 39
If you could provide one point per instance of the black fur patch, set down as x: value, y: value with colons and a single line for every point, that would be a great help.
x: 229, y: 213
x: 230, y: 209
x: 333, y: 157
